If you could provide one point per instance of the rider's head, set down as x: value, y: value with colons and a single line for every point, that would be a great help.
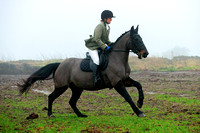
x: 107, y: 16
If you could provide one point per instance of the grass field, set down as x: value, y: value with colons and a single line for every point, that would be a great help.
x: 172, y: 104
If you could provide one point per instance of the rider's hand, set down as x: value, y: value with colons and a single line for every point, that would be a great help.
x: 107, y: 48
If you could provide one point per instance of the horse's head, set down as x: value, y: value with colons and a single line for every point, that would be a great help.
x: 136, y: 44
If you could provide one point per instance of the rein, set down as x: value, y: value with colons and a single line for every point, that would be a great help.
x: 127, y: 51
x: 118, y: 50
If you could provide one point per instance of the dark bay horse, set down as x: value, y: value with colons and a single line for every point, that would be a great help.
x: 69, y: 75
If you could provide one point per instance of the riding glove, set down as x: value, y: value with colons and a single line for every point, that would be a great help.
x: 107, y: 48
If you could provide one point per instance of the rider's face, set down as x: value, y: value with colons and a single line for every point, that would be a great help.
x: 108, y: 20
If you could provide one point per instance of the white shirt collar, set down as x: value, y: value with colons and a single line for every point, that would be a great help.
x: 107, y: 26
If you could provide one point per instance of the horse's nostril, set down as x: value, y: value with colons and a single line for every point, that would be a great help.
x: 145, y: 55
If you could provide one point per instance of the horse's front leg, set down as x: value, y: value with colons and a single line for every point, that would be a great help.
x: 120, y: 88
x: 128, y: 82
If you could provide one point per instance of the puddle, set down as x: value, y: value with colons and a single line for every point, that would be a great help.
x: 14, y: 86
x: 150, y: 93
x: 42, y: 91
x: 184, y: 95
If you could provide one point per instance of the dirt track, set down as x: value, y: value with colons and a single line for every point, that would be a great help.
x: 167, y: 92
x: 179, y: 83
x: 152, y: 82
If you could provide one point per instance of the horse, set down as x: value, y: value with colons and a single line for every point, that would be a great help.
x: 68, y: 74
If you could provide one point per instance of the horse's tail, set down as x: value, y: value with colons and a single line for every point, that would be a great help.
x: 40, y: 74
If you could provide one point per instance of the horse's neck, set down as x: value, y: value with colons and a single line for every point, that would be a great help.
x: 120, y: 49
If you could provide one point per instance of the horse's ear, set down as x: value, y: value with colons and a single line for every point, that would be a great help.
x: 136, y: 30
x: 132, y: 29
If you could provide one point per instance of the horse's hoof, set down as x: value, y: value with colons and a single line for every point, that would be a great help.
x: 141, y: 115
x: 84, y: 116
x: 51, y: 116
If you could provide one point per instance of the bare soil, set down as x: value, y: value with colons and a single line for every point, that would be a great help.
x: 179, y: 84
x: 167, y: 92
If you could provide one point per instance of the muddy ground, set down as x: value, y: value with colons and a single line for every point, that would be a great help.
x: 152, y: 82
x: 167, y: 92
x: 179, y: 84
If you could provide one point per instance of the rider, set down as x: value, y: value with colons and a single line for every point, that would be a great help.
x: 100, y: 40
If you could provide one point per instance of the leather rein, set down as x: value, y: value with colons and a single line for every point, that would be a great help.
x: 118, y: 50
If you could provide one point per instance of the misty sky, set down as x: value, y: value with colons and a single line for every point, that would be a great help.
x: 47, y: 29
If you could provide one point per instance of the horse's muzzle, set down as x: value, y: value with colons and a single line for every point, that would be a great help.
x: 143, y: 54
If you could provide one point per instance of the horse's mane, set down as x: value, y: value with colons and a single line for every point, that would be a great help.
x: 121, y: 37
x: 113, y: 44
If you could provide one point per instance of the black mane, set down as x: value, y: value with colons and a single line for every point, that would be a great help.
x: 113, y: 44
x: 121, y: 37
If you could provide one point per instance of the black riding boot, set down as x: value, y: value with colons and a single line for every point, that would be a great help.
x: 97, y: 78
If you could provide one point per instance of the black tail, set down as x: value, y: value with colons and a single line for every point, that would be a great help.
x: 41, y: 74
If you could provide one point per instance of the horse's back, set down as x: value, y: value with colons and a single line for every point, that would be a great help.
x: 64, y: 71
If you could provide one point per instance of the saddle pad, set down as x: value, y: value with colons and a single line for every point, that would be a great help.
x: 85, y: 63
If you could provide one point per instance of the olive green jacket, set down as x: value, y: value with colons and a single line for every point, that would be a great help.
x: 100, y: 37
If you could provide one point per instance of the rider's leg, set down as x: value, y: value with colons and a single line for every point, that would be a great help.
x: 94, y: 55
x: 95, y: 66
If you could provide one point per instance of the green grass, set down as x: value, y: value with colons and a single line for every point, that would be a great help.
x: 174, y: 68
x: 176, y: 99
x: 106, y: 113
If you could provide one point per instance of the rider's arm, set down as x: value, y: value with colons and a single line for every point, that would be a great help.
x: 98, y: 32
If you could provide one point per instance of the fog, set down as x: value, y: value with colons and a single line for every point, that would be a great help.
x: 48, y: 29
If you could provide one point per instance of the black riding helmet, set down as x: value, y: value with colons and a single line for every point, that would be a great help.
x: 107, y: 14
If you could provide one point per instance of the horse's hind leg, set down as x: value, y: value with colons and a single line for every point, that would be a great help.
x: 55, y: 94
x: 76, y: 93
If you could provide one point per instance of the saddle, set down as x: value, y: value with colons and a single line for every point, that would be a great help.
x: 87, y: 62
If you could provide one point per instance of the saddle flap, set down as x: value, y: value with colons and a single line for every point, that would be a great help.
x: 85, y: 63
